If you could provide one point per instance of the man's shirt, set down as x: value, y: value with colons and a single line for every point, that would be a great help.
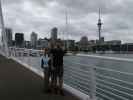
x: 57, y: 55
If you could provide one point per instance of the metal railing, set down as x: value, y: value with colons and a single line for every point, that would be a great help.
x: 98, y: 81
x: 32, y: 58
x: 111, y: 83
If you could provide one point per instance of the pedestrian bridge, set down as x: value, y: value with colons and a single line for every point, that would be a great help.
x: 87, y: 77
x: 18, y: 82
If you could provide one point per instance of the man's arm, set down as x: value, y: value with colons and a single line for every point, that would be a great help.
x: 52, y: 67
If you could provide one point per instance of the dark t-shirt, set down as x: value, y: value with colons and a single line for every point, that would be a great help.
x: 57, y: 54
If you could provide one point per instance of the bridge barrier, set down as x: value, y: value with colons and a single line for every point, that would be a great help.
x: 87, y: 76
x: 31, y: 59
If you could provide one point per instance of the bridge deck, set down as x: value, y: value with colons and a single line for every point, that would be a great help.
x: 17, y: 82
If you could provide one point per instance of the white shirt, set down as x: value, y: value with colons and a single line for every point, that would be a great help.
x: 45, y: 60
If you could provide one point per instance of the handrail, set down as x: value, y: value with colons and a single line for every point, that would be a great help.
x: 111, y: 70
x: 106, y: 57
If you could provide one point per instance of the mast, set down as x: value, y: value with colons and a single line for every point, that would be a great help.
x: 67, y: 40
x: 4, y: 38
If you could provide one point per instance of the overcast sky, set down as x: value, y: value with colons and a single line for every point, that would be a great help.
x: 42, y: 15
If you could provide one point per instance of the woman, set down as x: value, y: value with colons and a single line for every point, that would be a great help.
x: 45, y: 67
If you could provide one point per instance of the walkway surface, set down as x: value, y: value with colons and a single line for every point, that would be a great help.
x: 19, y: 83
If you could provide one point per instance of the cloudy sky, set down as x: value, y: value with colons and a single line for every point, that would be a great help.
x: 42, y: 15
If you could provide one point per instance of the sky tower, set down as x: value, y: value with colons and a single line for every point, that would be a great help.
x: 99, y: 24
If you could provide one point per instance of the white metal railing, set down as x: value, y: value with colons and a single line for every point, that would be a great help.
x: 88, y: 79
x: 124, y: 90
x: 29, y: 57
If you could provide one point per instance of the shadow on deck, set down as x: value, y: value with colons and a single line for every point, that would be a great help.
x: 17, y: 82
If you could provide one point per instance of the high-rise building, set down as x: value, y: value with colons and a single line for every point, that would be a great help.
x: 8, y: 32
x: 19, y: 40
x: 33, y: 40
x: 54, y: 33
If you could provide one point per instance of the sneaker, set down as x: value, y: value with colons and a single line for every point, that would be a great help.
x: 61, y: 92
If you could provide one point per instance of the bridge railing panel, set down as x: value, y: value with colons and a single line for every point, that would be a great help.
x: 33, y: 57
x: 101, y: 78
x: 113, y: 76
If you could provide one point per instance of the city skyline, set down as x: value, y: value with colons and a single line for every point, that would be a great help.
x: 39, y: 16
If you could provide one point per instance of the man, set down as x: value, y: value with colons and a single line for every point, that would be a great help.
x: 57, y: 62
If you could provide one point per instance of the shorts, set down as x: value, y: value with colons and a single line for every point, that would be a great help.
x: 59, y: 71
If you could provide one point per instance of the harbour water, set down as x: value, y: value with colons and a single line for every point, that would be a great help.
x: 114, y: 78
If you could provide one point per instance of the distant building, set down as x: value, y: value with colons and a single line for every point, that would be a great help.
x: 19, y: 40
x: 83, y: 43
x: 113, y: 42
x: 13, y: 43
x: 97, y: 41
x: 92, y: 42
x: 69, y: 45
x: 42, y: 43
x: 54, y: 33
x: 27, y: 44
x: 102, y: 40
x: 8, y: 32
x: 33, y: 40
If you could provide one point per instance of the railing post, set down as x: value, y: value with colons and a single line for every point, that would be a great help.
x: 15, y: 53
x: 92, y: 83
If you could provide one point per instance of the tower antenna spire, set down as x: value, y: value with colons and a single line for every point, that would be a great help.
x: 99, y: 24
x: 66, y: 14
x: 99, y: 14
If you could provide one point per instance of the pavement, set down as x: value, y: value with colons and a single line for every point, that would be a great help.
x: 19, y: 83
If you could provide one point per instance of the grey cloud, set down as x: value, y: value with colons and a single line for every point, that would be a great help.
x: 42, y: 15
